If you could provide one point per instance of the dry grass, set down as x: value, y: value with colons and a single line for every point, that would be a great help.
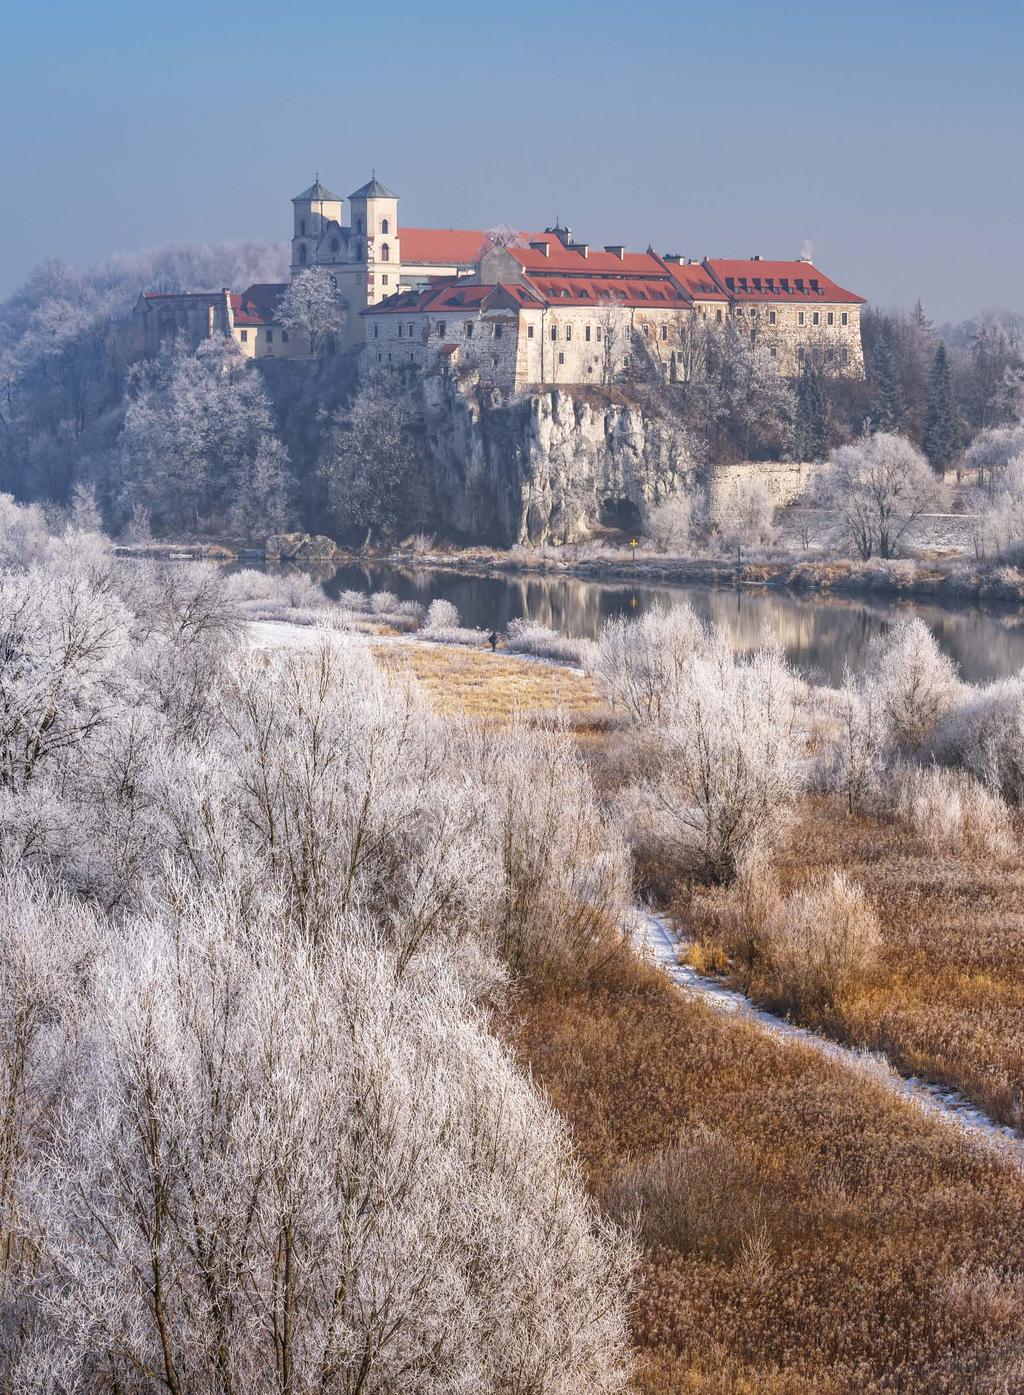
x: 489, y: 685
x: 946, y: 997
x: 805, y: 1231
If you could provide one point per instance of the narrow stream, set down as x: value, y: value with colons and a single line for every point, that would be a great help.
x: 662, y: 947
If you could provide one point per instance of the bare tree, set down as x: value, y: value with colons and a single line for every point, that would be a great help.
x: 878, y: 486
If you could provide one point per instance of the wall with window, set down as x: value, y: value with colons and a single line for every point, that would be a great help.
x: 268, y: 341
x: 828, y: 333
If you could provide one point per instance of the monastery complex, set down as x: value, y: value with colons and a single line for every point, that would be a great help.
x: 515, y: 309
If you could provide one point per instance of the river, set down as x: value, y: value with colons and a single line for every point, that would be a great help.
x: 819, y: 636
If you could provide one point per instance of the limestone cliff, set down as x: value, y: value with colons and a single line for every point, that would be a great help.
x: 546, y: 467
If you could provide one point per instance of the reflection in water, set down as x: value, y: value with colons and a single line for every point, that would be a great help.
x: 819, y: 636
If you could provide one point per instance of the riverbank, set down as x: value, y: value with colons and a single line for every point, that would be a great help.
x: 952, y: 580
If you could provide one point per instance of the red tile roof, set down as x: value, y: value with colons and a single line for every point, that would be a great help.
x: 561, y: 260
x: 451, y: 294
x: 442, y: 246
x: 259, y: 304
x: 749, y: 280
x: 697, y: 283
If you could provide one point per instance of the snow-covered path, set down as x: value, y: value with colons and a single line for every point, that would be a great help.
x: 661, y: 946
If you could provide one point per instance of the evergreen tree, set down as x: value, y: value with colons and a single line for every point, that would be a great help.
x: 888, y: 406
x: 941, y: 440
x: 811, y: 435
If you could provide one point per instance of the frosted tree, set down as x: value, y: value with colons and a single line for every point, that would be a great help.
x: 85, y: 512
x: 310, y: 307
x: 878, y: 486
x: 748, y: 516
x: 198, y: 440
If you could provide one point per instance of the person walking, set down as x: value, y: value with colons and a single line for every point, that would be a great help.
x: 492, y: 640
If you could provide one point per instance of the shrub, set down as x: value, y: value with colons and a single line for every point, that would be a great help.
x: 916, y: 684
x: 527, y: 637
x: 698, y: 1195
x: 950, y: 810
x: 670, y: 524
x: 984, y: 734
x: 820, y: 941
x: 637, y: 663
x: 441, y: 615
x: 728, y: 762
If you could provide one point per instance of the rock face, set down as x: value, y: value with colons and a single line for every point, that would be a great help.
x: 549, y: 467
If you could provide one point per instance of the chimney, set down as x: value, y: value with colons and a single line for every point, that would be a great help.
x: 544, y: 248
x: 676, y: 258
x: 756, y: 257
x: 617, y: 249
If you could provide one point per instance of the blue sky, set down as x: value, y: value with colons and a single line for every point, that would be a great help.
x: 889, y: 136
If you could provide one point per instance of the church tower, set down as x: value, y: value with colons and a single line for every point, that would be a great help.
x: 314, y: 210
x: 373, y: 210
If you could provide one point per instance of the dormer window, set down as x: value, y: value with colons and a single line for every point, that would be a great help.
x: 799, y: 283
x: 730, y: 283
x: 784, y: 282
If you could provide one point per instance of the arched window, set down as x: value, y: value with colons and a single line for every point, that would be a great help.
x: 302, y: 227
x: 334, y: 244
x: 302, y: 254
x: 384, y: 226
x: 359, y: 225
x: 385, y: 252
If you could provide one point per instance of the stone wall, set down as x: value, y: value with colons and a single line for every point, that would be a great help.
x: 786, y: 481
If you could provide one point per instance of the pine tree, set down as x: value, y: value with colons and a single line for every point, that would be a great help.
x: 941, y: 440
x: 811, y: 431
x: 888, y: 407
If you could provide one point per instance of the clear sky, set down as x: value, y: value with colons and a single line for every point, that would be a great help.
x: 886, y: 135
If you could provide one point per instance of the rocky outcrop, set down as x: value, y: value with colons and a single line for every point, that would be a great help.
x: 548, y: 467
x: 300, y: 547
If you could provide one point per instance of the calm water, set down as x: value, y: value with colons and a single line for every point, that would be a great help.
x: 819, y: 636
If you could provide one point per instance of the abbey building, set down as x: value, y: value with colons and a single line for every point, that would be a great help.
x: 513, y: 308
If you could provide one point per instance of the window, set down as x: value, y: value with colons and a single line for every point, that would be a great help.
x: 302, y: 254
x: 815, y: 318
x: 753, y: 311
x: 831, y: 318
x: 497, y: 331
x: 245, y: 336
x: 359, y: 251
x: 412, y: 356
x: 844, y: 355
x: 664, y: 332
x: 800, y: 317
x: 384, y: 279
x: 441, y: 326
x: 554, y: 333
x: 335, y: 244
x: 529, y: 331
x: 599, y: 334
x: 284, y: 336
x: 561, y: 358
x: 385, y: 252
x: 380, y: 358
x: 376, y: 331
x: 384, y: 227
x: 359, y: 225
x: 270, y: 336
x: 469, y: 329
x: 845, y: 317
x: 568, y: 332
x: 771, y: 317
x: 718, y: 316
x: 400, y: 331
x: 494, y: 360
x: 586, y: 334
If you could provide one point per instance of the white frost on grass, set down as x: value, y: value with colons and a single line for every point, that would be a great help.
x: 663, y: 947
